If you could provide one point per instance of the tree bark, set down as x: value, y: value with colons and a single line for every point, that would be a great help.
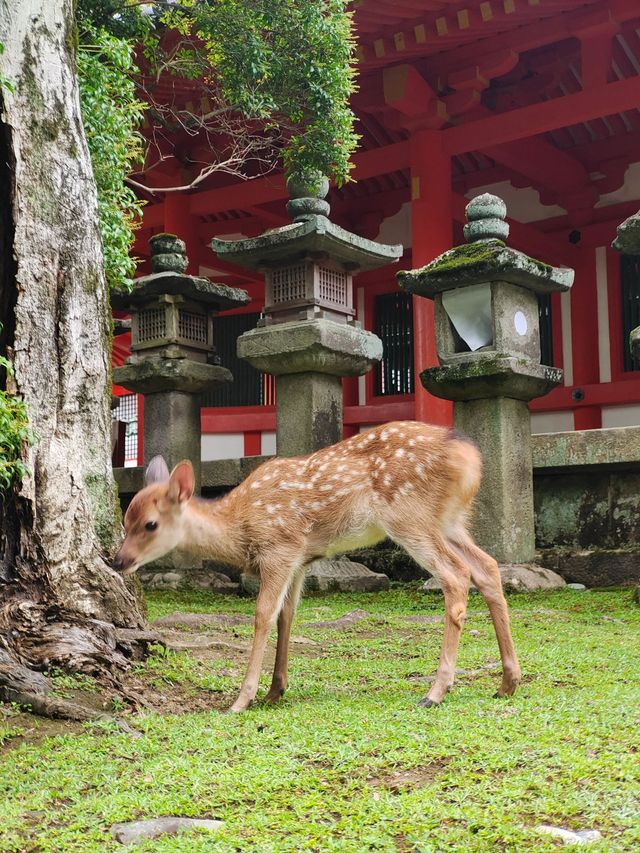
x: 59, y: 528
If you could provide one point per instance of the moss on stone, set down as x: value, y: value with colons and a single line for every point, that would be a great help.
x: 469, y: 255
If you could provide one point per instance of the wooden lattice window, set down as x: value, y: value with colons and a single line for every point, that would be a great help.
x: 250, y: 387
x: 630, y: 279
x: 394, y: 327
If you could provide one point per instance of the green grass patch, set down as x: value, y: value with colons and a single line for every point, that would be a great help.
x: 348, y: 762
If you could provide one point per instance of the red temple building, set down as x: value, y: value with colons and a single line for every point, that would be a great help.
x: 537, y: 101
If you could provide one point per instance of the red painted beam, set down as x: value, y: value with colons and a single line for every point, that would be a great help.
x: 598, y: 394
x: 379, y: 413
x: 541, y: 118
x: 238, y: 419
x: 543, y: 32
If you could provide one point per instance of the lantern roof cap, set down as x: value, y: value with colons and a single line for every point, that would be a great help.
x: 218, y: 296
x: 314, y: 236
x: 311, y: 234
x: 485, y: 258
x: 169, y: 262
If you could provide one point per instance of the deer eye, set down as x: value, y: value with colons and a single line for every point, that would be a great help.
x: 151, y: 525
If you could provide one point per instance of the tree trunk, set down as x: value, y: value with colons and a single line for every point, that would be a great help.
x: 57, y: 531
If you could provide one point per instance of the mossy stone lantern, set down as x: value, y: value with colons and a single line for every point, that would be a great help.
x: 308, y: 338
x: 488, y: 345
x: 173, y: 358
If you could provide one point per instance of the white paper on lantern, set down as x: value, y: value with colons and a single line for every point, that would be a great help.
x: 469, y: 309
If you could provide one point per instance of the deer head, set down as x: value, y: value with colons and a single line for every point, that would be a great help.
x: 154, y: 521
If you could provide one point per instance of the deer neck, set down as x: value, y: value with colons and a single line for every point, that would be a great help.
x: 210, y: 532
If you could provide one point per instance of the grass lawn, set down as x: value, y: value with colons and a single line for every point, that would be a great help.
x: 348, y: 761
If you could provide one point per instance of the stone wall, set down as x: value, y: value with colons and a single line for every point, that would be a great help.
x: 587, y: 506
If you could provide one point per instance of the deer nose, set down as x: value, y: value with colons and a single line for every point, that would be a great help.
x: 118, y: 562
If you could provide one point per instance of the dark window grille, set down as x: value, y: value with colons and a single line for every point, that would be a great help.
x: 630, y: 278
x: 394, y: 327
x: 250, y: 387
x: 546, y: 330
x: 127, y: 411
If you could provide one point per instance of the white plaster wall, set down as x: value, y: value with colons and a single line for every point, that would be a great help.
x: 397, y: 228
x: 222, y: 446
x: 268, y: 444
x: 551, y: 422
x: 620, y: 416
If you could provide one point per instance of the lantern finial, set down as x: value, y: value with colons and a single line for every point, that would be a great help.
x: 486, y: 219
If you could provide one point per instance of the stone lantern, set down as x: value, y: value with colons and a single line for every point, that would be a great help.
x: 488, y: 344
x: 308, y: 338
x: 173, y: 358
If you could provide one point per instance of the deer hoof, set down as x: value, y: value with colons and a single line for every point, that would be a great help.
x: 274, y: 695
x: 428, y: 703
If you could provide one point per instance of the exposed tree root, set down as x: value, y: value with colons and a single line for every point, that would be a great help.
x: 35, y: 638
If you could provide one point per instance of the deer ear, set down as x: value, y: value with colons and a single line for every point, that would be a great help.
x: 157, y: 472
x: 182, y: 482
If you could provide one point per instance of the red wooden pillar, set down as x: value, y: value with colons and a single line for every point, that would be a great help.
x: 584, y: 333
x: 349, y: 398
x: 431, y: 230
x: 179, y: 221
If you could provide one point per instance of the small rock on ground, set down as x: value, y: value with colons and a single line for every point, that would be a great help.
x: 141, y: 830
x: 569, y: 836
x: 578, y: 587
x: 516, y: 578
x: 344, y: 576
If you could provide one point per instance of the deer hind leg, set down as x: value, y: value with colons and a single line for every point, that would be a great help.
x: 279, y: 681
x: 453, y: 572
x: 485, y: 575
x: 274, y: 584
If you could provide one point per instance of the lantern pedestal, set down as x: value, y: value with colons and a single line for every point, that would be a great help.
x: 488, y: 343
x: 309, y: 359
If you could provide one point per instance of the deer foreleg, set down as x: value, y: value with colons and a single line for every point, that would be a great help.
x: 279, y: 682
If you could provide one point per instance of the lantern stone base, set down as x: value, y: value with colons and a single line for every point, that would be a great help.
x: 152, y: 374
x: 476, y: 376
x: 503, y: 520
x: 321, y: 346
x: 309, y: 359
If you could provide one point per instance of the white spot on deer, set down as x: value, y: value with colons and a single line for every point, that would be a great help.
x: 411, y: 442
x: 294, y: 504
x: 326, y: 488
x: 387, y: 480
x: 384, y: 435
x: 420, y: 470
x: 411, y: 457
x: 256, y: 484
x: 271, y: 508
x: 400, y: 452
x: 317, y: 505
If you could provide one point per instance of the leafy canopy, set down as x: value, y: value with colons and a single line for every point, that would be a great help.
x: 112, y: 114
x: 281, y: 70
